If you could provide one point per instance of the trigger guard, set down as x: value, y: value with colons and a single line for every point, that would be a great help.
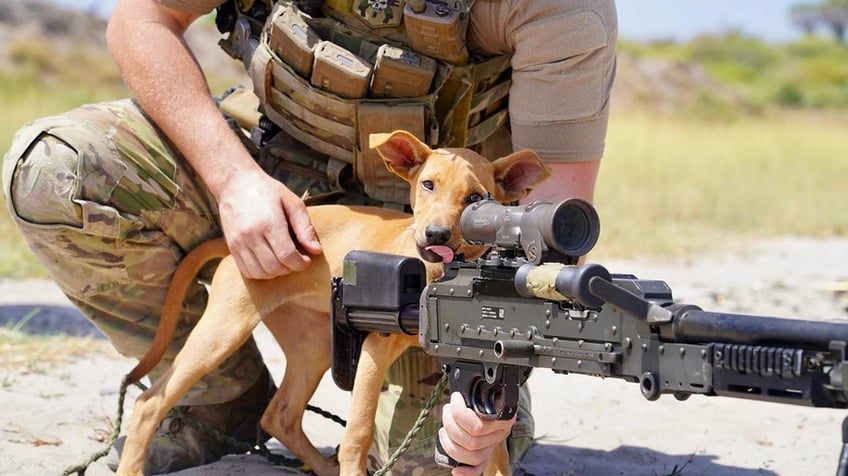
x: 488, y: 400
x: 497, y: 400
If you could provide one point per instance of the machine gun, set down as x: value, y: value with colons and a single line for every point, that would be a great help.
x: 528, y: 304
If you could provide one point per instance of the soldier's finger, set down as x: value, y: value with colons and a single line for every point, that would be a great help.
x: 302, y: 228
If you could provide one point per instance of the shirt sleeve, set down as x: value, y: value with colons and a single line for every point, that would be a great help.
x: 200, y: 7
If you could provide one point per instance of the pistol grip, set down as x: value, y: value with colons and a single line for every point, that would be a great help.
x: 495, y: 400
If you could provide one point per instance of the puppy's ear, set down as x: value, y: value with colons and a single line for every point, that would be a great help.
x: 402, y: 152
x: 517, y: 174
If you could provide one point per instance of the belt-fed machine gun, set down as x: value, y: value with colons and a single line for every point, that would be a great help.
x: 528, y: 304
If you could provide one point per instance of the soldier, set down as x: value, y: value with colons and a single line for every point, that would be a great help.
x: 110, y: 196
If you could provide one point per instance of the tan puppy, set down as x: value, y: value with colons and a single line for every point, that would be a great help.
x: 296, y: 307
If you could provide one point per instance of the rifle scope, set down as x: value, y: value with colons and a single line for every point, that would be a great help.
x: 570, y: 227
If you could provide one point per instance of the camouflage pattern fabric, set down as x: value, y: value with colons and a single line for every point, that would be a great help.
x: 109, y: 207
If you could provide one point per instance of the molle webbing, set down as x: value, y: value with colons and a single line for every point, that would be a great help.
x: 330, y: 84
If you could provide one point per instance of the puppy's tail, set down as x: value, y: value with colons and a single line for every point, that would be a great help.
x: 183, y: 278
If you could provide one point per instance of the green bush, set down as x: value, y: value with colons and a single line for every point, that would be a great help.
x: 808, y: 73
x: 732, y: 57
x: 789, y: 95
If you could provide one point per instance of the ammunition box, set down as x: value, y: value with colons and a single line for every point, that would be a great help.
x: 294, y: 42
x: 436, y: 31
x: 401, y: 73
x: 339, y: 71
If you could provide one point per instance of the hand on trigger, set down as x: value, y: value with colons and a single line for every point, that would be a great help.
x: 469, y: 439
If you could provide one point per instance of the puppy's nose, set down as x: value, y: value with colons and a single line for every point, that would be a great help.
x: 437, y: 235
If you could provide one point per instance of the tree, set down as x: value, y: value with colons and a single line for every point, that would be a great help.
x: 836, y: 16
x: 805, y: 17
x: 833, y: 14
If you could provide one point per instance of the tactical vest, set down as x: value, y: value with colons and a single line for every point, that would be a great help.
x: 329, y: 73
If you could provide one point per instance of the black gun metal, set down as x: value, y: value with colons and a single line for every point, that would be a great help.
x: 491, y: 322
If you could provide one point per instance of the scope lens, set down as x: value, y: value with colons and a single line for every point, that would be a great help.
x: 574, y: 227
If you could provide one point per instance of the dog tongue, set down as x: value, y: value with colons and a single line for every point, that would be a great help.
x: 444, y: 251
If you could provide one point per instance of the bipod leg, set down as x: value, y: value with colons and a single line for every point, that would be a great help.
x: 842, y: 468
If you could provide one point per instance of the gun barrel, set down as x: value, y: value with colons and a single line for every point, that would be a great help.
x: 695, y: 325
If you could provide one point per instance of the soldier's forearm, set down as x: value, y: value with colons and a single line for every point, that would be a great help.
x: 147, y: 44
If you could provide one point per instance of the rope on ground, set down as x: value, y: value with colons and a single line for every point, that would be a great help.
x: 259, y: 448
x: 80, y: 468
x: 419, y: 423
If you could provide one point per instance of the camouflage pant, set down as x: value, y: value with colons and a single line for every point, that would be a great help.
x: 109, y: 207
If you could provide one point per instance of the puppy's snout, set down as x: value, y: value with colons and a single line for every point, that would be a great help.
x: 437, y: 235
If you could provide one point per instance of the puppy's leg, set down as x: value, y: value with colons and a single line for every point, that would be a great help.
x: 303, y: 336
x: 498, y: 462
x: 378, y: 353
x: 227, y: 323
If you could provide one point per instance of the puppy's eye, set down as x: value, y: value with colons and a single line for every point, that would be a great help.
x: 427, y: 184
x: 474, y: 197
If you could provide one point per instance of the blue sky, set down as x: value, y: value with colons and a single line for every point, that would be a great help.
x: 682, y: 19
x: 662, y: 19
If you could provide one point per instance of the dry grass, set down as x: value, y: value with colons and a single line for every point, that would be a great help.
x: 676, y: 187
x: 26, y: 354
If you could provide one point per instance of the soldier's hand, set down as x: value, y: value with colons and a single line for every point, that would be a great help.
x: 469, y: 439
x: 266, y: 226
